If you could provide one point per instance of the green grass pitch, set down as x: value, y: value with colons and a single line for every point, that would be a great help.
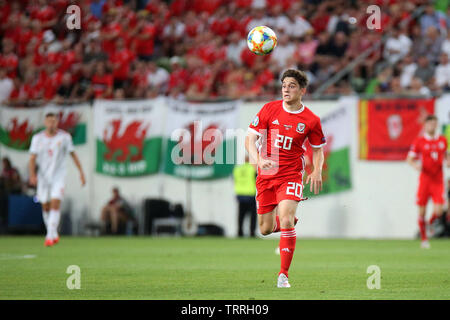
x: 220, y: 268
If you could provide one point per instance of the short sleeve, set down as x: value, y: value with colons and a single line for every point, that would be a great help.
x: 259, y: 123
x: 414, y: 150
x: 316, y: 137
x: 34, y: 145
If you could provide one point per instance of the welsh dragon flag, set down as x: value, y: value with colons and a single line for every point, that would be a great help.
x: 17, y: 126
x: 73, y: 119
x: 128, y: 136
x: 201, y: 139
x: 336, y: 174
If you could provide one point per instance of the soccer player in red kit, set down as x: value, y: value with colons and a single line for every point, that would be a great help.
x: 431, y: 149
x: 275, y: 143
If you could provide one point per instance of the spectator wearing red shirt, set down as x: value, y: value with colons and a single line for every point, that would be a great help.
x: 139, y: 79
x: 120, y: 62
x: 178, y: 76
x: 50, y: 80
x: 143, y: 37
x: 45, y: 13
x: 8, y: 58
x: 31, y: 88
x: 102, y: 82
x: 110, y: 31
x: 10, y: 26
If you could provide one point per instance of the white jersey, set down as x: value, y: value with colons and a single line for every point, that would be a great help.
x: 51, y: 155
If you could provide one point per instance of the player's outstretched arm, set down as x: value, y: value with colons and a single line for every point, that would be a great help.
x: 32, y: 170
x: 315, y: 178
x: 80, y: 168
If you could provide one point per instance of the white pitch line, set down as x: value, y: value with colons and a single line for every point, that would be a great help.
x: 6, y: 256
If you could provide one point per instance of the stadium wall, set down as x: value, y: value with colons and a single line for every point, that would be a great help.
x: 380, y: 203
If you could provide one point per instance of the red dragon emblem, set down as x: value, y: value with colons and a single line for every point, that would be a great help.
x: 68, y: 121
x: 19, y: 133
x: 199, y: 142
x: 120, y: 146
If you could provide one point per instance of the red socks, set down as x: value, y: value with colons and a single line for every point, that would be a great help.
x: 277, y: 227
x: 287, y: 247
x: 433, y: 217
x: 422, y: 224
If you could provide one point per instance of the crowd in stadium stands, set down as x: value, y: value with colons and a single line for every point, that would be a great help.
x: 197, y: 49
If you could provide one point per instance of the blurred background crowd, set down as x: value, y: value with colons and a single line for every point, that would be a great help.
x: 196, y: 49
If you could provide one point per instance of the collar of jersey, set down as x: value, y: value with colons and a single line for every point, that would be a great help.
x: 428, y: 137
x: 298, y: 111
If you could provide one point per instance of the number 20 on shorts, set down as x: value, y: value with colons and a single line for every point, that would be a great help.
x: 294, y: 189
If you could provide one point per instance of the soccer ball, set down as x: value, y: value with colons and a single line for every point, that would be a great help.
x: 261, y: 40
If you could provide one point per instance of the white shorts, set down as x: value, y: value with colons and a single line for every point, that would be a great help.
x: 47, y: 192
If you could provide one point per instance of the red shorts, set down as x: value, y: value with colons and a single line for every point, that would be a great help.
x: 430, y: 187
x: 269, y: 192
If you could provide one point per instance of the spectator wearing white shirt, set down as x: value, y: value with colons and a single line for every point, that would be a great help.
x: 6, y: 85
x: 284, y: 50
x: 408, y: 69
x: 297, y: 26
x: 442, y: 72
x: 259, y: 19
x: 446, y: 44
x: 417, y: 88
x: 157, y: 77
x: 235, y: 47
x: 397, y: 46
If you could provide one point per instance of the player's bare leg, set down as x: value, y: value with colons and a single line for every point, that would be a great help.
x: 277, y: 221
x: 438, y: 227
x: 422, y: 227
x: 46, y: 215
x: 286, y: 209
x: 267, y: 222
x: 54, y: 218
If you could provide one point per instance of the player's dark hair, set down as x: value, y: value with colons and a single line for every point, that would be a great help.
x: 298, y: 75
x: 50, y: 114
x: 430, y: 117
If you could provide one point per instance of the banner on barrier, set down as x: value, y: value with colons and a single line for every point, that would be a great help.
x: 336, y: 172
x: 443, y: 114
x: 387, y: 127
x: 201, y: 139
x: 128, y: 136
x: 18, y: 125
x: 73, y: 119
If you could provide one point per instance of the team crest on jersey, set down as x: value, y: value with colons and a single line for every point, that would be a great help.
x: 441, y: 145
x: 255, y: 121
x: 300, y: 127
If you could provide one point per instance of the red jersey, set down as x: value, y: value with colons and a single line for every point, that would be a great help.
x: 431, y: 151
x: 282, y: 135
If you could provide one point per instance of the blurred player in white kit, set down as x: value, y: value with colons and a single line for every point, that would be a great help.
x: 47, y: 166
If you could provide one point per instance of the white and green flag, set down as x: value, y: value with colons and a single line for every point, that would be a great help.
x: 17, y: 126
x: 201, y: 139
x: 336, y: 173
x: 128, y: 136
x: 73, y: 119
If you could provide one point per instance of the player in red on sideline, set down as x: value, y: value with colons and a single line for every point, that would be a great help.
x: 431, y: 149
x: 275, y: 144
